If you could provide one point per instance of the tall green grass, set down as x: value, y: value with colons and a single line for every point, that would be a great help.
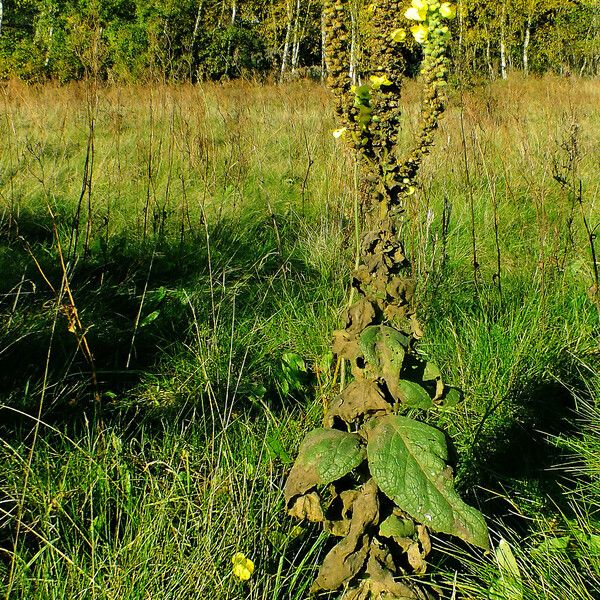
x: 220, y: 234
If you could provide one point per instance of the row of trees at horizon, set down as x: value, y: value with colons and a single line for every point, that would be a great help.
x: 132, y: 40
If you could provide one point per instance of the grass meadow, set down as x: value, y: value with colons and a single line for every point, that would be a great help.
x: 173, y: 262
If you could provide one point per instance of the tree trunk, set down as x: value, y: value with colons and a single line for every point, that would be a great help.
x: 229, y: 60
x: 502, y: 44
x: 296, y: 42
x: 1, y: 15
x: 503, y: 59
x: 323, y: 40
x: 194, y: 37
x: 50, y: 34
x: 197, y: 22
x: 288, y: 36
x: 526, y: 46
x: 586, y: 58
x: 488, y: 54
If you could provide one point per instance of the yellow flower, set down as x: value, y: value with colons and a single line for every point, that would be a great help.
x: 242, y: 567
x: 338, y: 133
x: 398, y: 35
x: 378, y: 81
x: 420, y: 32
x: 448, y: 10
x: 420, y: 4
x: 416, y: 14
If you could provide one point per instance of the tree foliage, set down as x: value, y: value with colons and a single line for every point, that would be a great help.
x: 196, y: 39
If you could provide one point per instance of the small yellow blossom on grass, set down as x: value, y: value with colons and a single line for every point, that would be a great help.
x: 414, y: 14
x: 420, y: 4
x: 242, y: 567
x: 448, y: 10
x: 338, y: 133
x: 398, y: 35
x: 420, y: 32
x: 379, y: 80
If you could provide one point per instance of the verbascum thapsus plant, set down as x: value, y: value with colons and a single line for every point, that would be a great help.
x: 374, y: 477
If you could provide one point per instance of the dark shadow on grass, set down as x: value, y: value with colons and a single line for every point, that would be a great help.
x: 139, y: 302
x: 516, y: 458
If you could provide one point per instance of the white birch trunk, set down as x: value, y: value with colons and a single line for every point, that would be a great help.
x: 502, y: 44
x: 195, y: 37
x: 323, y: 40
x: 1, y: 15
x: 288, y: 36
x: 196, y: 23
x: 488, y: 53
x: 50, y: 34
x: 296, y: 42
x: 229, y: 56
x: 526, y: 46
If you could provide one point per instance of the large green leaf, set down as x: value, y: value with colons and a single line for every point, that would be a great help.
x: 325, y: 455
x: 408, y: 461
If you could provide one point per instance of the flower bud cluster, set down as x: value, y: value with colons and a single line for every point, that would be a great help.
x: 370, y: 111
x: 337, y: 40
x: 432, y: 32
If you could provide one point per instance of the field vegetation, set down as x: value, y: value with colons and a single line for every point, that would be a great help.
x: 174, y: 260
